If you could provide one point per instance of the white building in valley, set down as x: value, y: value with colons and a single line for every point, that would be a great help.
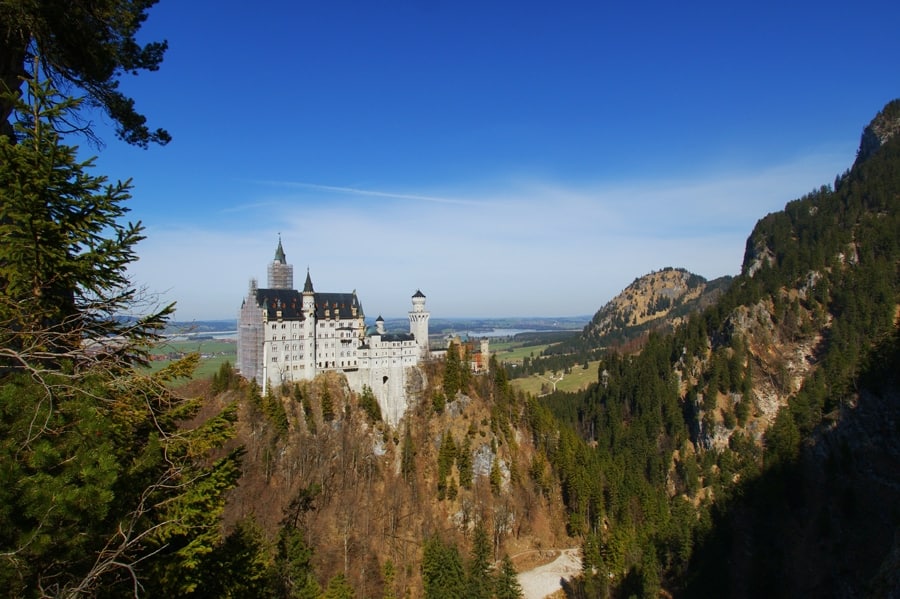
x: 286, y: 335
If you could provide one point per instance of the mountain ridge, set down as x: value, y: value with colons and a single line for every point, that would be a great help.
x: 659, y: 300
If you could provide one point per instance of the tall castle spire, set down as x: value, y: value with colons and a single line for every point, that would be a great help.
x: 279, y: 253
x: 281, y: 274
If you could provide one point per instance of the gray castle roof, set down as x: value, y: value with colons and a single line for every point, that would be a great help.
x: 343, y: 303
x: 290, y: 303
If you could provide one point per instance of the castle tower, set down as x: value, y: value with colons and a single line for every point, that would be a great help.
x: 308, y: 306
x: 418, y: 322
x: 485, y: 354
x: 281, y: 274
x: 309, y: 295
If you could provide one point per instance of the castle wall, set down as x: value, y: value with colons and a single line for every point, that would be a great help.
x: 389, y: 384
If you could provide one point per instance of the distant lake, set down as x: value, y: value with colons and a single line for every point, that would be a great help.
x: 494, y: 332
x: 213, y: 334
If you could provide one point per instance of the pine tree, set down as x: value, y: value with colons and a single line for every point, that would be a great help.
x: 479, y: 576
x: 327, y: 403
x: 464, y: 463
x: 408, y: 457
x: 389, y: 574
x: 338, y: 588
x: 507, y: 584
x: 293, y: 569
x: 442, y: 570
x: 101, y: 467
x: 369, y: 404
x: 64, y: 255
x: 451, y: 372
x: 496, y: 479
x: 465, y: 373
x: 88, y: 45
x: 446, y: 457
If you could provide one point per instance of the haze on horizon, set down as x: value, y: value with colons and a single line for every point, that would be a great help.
x: 515, y: 159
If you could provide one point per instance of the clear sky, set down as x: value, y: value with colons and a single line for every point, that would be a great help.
x: 506, y: 158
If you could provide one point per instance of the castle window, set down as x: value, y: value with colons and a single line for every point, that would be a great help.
x: 274, y: 358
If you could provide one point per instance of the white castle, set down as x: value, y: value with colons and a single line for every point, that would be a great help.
x: 286, y: 335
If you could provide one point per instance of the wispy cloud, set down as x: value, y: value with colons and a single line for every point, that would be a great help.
x: 515, y: 248
x: 356, y: 191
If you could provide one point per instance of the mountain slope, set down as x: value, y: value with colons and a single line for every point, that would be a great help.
x: 778, y: 419
x: 660, y: 300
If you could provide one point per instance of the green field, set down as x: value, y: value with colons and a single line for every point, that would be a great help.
x: 512, y: 352
x: 213, y: 353
x: 580, y: 378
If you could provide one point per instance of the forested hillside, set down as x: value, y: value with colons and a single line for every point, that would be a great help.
x: 738, y: 456
x: 750, y: 452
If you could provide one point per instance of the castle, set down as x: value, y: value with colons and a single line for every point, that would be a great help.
x: 286, y: 335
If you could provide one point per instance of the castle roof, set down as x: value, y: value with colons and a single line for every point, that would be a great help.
x: 398, y: 337
x: 418, y: 293
x: 288, y: 301
x: 308, y: 286
x: 341, y: 302
x: 279, y: 253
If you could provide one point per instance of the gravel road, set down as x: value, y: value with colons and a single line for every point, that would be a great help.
x: 545, y: 580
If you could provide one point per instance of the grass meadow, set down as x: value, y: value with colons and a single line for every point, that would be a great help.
x: 213, y: 353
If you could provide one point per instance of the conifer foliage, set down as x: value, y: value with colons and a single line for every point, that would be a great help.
x: 78, y: 45
x: 64, y: 252
x: 104, y: 487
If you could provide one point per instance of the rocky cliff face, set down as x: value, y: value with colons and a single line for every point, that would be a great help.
x: 810, y: 329
x: 882, y: 128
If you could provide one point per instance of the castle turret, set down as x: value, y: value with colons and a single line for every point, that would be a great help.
x: 418, y: 322
x: 379, y: 325
x: 281, y: 274
x: 309, y: 294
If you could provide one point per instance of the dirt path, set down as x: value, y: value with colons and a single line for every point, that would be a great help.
x: 544, y: 580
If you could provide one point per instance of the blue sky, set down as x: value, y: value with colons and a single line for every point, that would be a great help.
x: 506, y: 158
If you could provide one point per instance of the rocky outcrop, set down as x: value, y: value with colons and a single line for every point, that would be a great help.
x: 883, y: 127
x: 659, y: 300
